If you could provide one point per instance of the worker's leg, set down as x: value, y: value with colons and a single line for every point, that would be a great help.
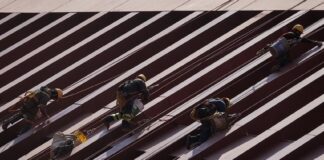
x: 11, y: 120
x: 276, y: 67
x: 127, y: 109
x: 205, y: 132
x: 192, y: 141
x: 128, y: 113
x: 126, y: 125
x: 25, y: 128
x: 29, y: 120
x: 197, y: 139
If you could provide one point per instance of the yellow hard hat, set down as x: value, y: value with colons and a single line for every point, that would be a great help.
x: 142, y: 77
x: 298, y: 28
x: 59, y: 93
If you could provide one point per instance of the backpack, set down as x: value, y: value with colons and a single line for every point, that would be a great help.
x: 123, y: 87
x: 28, y: 102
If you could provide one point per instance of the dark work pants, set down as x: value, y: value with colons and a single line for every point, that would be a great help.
x: 205, y: 132
x: 16, y: 117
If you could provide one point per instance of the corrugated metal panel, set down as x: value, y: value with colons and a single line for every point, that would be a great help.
x: 191, y: 55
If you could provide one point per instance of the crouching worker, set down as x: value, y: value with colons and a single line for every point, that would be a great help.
x: 63, y: 144
x: 32, y: 107
x: 212, y: 114
x: 130, y: 97
x: 280, y: 48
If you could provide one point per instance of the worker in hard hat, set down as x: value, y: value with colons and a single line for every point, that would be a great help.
x: 213, y: 116
x: 130, y: 97
x: 32, y: 106
x: 280, y: 48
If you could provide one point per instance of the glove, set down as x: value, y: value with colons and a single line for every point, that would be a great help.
x: 261, y: 51
x: 319, y: 44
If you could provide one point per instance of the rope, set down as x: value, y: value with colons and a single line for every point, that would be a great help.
x: 88, y: 88
x: 229, y: 46
x: 155, y: 118
x: 224, y: 48
x: 232, y: 44
x: 219, y: 51
x: 132, y: 53
x: 236, y: 42
x: 167, y: 110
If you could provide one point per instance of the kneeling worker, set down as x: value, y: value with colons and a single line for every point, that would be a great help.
x: 212, y: 114
x: 130, y: 95
x: 33, y: 106
x: 280, y: 48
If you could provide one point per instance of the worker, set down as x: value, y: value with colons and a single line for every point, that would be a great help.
x: 130, y: 98
x: 32, y: 107
x: 63, y: 144
x: 213, y: 116
x: 280, y: 48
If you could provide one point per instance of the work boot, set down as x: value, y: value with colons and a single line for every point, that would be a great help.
x: 191, y: 143
x: 319, y: 44
x: 126, y: 126
x: 107, y: 121
x: 275, y: 68
x: 5, y: 125
x: 188, y: 142
x: 11, y: 120
x: 107, y: 124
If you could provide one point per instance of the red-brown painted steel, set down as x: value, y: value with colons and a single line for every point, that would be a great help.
x: 29, y: 29
x: 275, y: 88
x: 232, y: 88
x: 15, y: 21
x: 254, y: 101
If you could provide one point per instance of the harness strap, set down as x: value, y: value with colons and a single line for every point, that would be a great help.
x: 30, y: 95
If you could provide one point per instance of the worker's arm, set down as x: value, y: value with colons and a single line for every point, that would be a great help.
x: 42, y: 108
x: 144, y: 91
x: 306, y: 40
x: 291, y: 35
x: 17, y: 106
x: 263, y: 50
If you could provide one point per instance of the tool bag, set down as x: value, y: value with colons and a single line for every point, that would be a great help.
x: 219, y: 121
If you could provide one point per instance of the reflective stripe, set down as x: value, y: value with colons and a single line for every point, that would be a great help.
x: 127, y: 117
x: 116, y: 116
